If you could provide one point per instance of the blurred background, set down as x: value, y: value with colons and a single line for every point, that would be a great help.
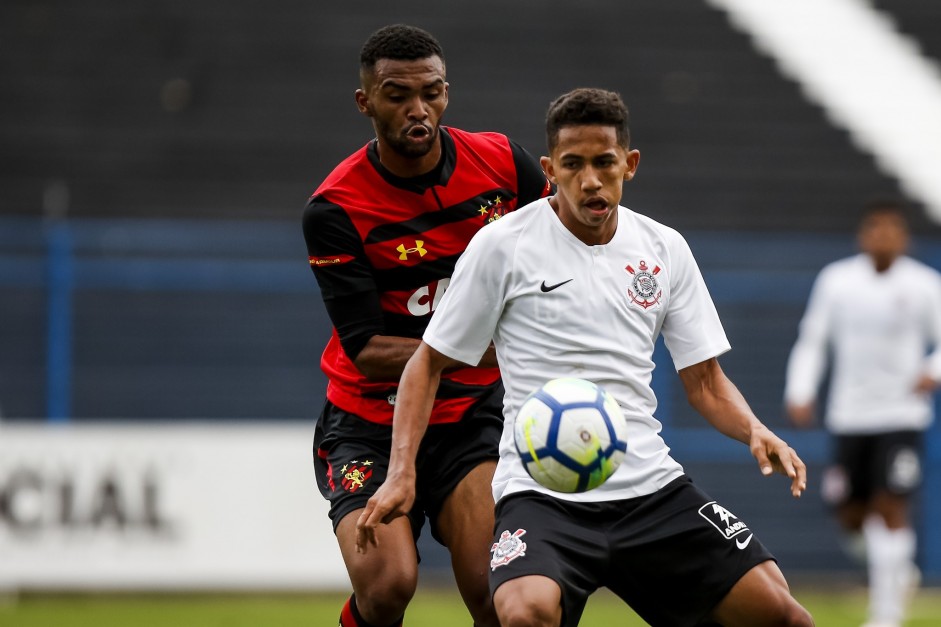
x: 160, y: 330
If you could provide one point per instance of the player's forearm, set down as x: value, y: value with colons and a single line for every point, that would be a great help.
x: 716, y: 398
x: 384, y: 357
x: 413, y: 405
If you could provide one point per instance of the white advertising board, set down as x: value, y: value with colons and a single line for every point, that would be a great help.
x: 163, y: 506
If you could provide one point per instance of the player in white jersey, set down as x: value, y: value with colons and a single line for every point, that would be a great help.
x: 877, y: 313
x: 577, y: 285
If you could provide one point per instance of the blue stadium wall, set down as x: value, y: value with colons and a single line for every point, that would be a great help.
x: 219, y: 320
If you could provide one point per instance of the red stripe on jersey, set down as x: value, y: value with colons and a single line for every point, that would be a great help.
x: 443, y: 411
x: 322, y: 454
x: 349, y: 390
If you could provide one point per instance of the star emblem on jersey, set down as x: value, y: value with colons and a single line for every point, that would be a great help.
x: 725, y: 522
x: 507, y: 548
x: 549, y: 288
x: 419, y: 248
x: 355, y: 474
x: 645, y: 289
x: 492, y: 209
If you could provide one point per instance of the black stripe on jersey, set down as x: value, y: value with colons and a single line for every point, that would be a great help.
x: 402, y: 325
x: 405, y: 278
x: 531, y: 182
x: 459, y: 212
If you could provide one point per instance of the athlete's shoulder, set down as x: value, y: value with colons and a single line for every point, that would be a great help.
x: 507, y: 233
x: 847, y: 265
x: 645, y: 226
x: 348, y: 174
x: 916, y: 265
x: 479, y: 138
x: 515, y: 223
x: 318, y: 208
x: 845, y: 273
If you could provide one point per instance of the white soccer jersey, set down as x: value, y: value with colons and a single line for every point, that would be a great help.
x: 555, y: 307
x: 880, y: 327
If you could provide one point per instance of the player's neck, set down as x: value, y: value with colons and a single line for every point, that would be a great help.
x: 882, y: 263
x: 409, y: 167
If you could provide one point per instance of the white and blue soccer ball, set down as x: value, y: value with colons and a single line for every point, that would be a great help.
x: 570, y: 435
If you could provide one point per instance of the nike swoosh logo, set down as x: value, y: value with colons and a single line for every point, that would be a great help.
x: 743, y: 543
x: 549, y: 288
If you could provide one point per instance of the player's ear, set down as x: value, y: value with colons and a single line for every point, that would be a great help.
x: 630, y: 167
x: 362, y: 102
x: 546, y: 164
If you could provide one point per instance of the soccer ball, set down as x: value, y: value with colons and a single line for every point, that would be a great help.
x: 570, y: 435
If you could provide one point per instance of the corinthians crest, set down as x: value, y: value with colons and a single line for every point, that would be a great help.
x: 507, y: 548
x: 645, y: 289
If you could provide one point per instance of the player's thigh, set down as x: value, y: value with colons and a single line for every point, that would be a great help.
x: 351, y: 458
x: 465, y: 527
x: 761, y: 597
x: 849, y: 478
x: 554, y: 540
x: 467, y: 513
x: 532, y: 600
x: 454, y: 470
x: 685, y: 551
x: 391, y: 567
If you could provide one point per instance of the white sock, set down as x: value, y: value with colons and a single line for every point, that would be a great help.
x: 854, y: 545
x: 891, y: 567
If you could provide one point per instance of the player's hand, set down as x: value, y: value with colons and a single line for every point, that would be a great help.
x: 926, y: 385
x: 774, y: 455
x: 394, y: 498
x: 802, y: 415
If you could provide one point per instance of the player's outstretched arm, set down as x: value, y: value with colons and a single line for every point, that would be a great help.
x: 713, y: 395
x: 413, y: 403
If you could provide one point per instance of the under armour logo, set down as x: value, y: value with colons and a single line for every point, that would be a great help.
x: 419, y: 248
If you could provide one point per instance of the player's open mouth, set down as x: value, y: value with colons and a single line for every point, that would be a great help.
x: 597, y: 206
x: 418, y: 132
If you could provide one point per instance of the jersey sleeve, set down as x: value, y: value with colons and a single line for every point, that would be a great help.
x: 691, y: 328
x: 531, y: 181
x: 808, y: 358
x: 347, y: 285
x: 462, y: 325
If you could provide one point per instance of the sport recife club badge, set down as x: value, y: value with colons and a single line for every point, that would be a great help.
x: 355, y: 474
x: 646, y: 290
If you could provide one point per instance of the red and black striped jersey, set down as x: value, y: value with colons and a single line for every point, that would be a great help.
x: 383, y: 249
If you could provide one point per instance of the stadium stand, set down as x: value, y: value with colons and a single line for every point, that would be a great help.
x: 217, y: 110
x: 920, y: 19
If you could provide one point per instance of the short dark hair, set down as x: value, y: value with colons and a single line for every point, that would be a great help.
x: 400, y: 42
x: 587, y: 106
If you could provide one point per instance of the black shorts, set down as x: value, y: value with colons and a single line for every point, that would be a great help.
x: 672, y: 555
x: 866, y: 464
x: 351, y: 458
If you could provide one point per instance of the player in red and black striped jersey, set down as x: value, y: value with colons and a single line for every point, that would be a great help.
x: 383, y: 233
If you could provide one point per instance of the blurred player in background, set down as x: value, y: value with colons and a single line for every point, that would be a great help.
x: 877, y: 313
x: 576, y: 285
x: 383, y: 233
